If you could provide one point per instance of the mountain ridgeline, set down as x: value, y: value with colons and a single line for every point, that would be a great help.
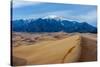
x: 51, y: 25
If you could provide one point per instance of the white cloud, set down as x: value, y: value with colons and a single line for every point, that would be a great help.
x: 57, y: 13
x: 90, y: 17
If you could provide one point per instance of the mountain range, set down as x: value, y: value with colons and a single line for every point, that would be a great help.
x: 52, y: 24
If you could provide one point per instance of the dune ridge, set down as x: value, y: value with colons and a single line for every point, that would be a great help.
x: 89, y: 49
x: 60, y: 51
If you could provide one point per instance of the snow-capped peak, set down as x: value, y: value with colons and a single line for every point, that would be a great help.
x: 53, y: 17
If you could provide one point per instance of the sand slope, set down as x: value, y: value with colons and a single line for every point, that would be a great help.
x: 89, y: 48
x: 60, y: 51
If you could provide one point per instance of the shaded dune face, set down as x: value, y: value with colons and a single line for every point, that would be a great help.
x: 60, y: 51
x: 16, y: 61
x: 89, y: 49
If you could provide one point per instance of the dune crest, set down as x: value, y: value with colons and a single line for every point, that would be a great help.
x: 60, y: 51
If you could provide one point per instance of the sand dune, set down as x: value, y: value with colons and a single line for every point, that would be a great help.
x: 52, y: 48
x: 49, y: 52
x: 89, y: 48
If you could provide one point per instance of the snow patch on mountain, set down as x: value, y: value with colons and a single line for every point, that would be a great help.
x: 54, y: 17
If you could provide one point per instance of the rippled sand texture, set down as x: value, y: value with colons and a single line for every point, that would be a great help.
x: 32, y: 49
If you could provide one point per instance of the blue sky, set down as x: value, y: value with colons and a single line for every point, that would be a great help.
x: 73, y: 12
